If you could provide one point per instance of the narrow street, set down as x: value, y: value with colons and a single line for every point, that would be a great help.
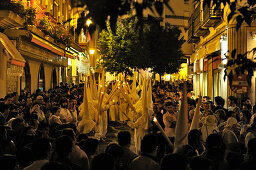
x: 111, y: 136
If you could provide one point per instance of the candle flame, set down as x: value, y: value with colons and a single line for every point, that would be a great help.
x: 155, y: 120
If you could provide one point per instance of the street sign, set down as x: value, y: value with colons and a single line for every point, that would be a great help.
x: 239, y: 84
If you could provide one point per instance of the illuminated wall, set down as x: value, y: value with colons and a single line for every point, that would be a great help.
x: 182, y: 74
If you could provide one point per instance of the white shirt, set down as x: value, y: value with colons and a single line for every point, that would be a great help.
x: 67, y: 116
x: 170, y: 123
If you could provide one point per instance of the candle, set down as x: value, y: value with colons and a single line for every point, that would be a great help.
x: 103, y: 94
x: 163, y: 133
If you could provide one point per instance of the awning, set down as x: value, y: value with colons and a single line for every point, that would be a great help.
x: 16, y: 57
x: 45, y: 44
x: 49, y: 46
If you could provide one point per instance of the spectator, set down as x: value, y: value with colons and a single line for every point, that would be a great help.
x: 251, y: 132
x: 199, y: 163
x: 249, y: 163
x: 63, y: 147
x: 195, y: 141
x: 174, y: 162
x: 55, y: 166
x: 116, y: 152
x: 25, y: 157
x: 91, y: 147
x: 103, y: 161
x: 6, y: 145
x: 124, y: 140
x: 41, y: 150
x: 170, y: 118
x: 209, y: 127
x: 147, y: 158
x: 219, y: 103
x: 215, y: 149
x: 77, y: 155
x: 229, y: 135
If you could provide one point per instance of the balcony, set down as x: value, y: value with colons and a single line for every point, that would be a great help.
x: 9, y: 15
x: 199, y: 30
x: 196, y: 24
x: 191, y: 37
x: 211, y: 16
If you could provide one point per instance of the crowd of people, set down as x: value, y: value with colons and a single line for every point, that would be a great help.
x: 224, y: 139
x: 39, y: 131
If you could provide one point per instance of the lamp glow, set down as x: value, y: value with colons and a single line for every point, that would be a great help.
x: 88, y: 22
x: 92, y: 51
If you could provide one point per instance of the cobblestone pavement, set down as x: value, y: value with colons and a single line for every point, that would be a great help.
x: 113, y: 129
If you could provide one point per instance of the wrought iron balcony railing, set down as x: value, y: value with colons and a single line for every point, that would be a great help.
x: 191, y: 37
x: 199, y: 30
x: 211, y: 16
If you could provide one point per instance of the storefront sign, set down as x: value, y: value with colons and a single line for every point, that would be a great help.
x: 239, y: 84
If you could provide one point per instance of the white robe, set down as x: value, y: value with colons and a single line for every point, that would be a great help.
x: 139, y: 126
x: 113, y: 110
x: 123, y: 107
x: 102, y: 125
x: 139, y: 133
x: 86, y: 124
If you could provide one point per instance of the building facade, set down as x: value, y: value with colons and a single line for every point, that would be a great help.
x: 178, y: 17
x: 38, y: 53
x: 214, y: 38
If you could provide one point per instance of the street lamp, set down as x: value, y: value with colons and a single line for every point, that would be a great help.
x: 88, y: 22
x: 92, y: 51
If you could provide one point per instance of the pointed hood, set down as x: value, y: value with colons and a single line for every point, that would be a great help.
x: 157, y: 77
x: 196, y: 117
x: 149, y: 96
x: 134, y: 94
x: 94, y: 89
x: 181, y: 130
x: 145, y: 110
x: 88, y: 87
x: 86, y: 124
x: 134, y: 82
x: 85, y: 99
x: 91, y: 86
x: 99, y: 84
